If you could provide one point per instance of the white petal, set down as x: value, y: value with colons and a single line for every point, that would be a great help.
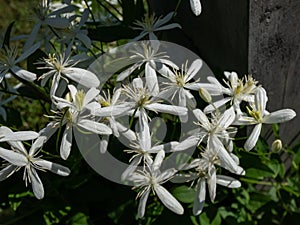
x: 202, y: 118
x: 151, y: 80
x: 95, y: 127
x: 90, y: 95
x: 142, y: 204
x: 199, y: 197
x: 279, y: 116
x: 158, y: 160
x: 168, y: 200
x: 196, y: 7
x: 7, y: 171
x: 7, y: 134
x: 12, y: 157
x: 261, y: 99
x: 137, y: 84
x: 172, y: 109
x: 144, y: 131
x: 228, y: 181
x: 36, y: 184
x: 127, y: 72
x: 212, y: 182
x: 210, y: 108
x: 189, y: 142
x: 227, y: 118
x: 104, y: 143
x: 24, y: 74
x: 193, y: 69
x: 53, y: 167
x: 252, y: 139
x: 82, y: 76
x: 66, y: 142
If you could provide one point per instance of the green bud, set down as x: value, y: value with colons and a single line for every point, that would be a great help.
x: 205, y: 95
x: 276, y: 145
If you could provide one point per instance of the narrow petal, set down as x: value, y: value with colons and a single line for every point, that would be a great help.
x: 24, y: 74
x: 228, y: 181
x: 199, y: 197
x: 212, y: 107
x: 151, y: 80
x: 169, y: 26
x: 7, y: 134
x: 158, y: 160
x: 142, y: 203
x: 144, y: 131
x: 252, y: 139
x: 95, y: 127
x: 261, y: 99
x: 128, y: 71
x: 193, y: 69
x: 202, y: 118
x: 227, y: 118
x: 196, y: 7
x: 12, y: 157
x: 53, y: 167
x: 212, y: 182
x: 189, y: 142
x: 168, y: 200
x: 279, y: 116
x: 104, y: 143
x: 172, y: 109
x: 165, y: 19
x: 7, y: 171
x: 82, y: 76
x: 90, y: 95
x: 66, y: 142
x: 36, y: 184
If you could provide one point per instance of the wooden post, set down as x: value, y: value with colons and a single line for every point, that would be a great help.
x: 274, y: 56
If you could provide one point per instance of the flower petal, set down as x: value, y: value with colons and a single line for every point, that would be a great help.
x: 36, y: 184
x: 252, y: 139
x: 66, y: 142
x: 168, y: 200
x: 202, y: 118
x: 199, y: 197
x: 82, y: 76
x: 24, y: 74
x: 196, y: 7
x: 53, y: 167
x: 228, y: 181
x: 158, y: 160
x: 193, y: 69
x: 95, y: 127
x: 172, y: 109
x: 142, y: 204
x: 227, y: 118
x: 151, y: 80
x: 12, y: 157
x: 7, y: 171
x: 279, y: 116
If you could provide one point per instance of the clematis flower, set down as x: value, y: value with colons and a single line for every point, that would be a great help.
x: 180, y: 84
x: 148, y: 54
x: 259, y: 115
x: 237, y: 90
x: 62, y: 66
x: 205, y: 174
x: 151, y: 24
x: 9, y: 61
x: 75, y: 113
x: 18, y: 157
x: 140, y: 99
x: 152, y: 179
x: 196, y: 7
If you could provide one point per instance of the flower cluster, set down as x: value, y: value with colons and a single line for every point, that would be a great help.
x: 154, y: 85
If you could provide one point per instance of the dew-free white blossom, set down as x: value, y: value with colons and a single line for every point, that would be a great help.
x: 17, y: 157
x: 151, y: 24
x: 259, y: 115
x: 237, y: 90
x: 152, y: 179
x: 147, y: 53
x: 9, y: 61
x: 180, y: 82
x: 63, y: 67
x: 75, y: 113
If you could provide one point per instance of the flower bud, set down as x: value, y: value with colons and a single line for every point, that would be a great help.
x: 205, y: 95
x: 276, y: 145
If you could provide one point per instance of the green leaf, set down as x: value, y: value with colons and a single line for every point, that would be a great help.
x: 184, y: 194
x: 6, y: 40
x: 257, y: 201
x: 79, y: 219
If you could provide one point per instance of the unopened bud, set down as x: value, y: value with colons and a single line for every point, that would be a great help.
x: 276, y: 145
x: 205, y: 95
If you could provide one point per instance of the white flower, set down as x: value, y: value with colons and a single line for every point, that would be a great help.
x: 140, y: 100
x: 180, y: 83
x: 205, y: 173
x: 151, y: 179
x: 151, y: 24
x: 259, y: 115
x: 237, y: 89
x: 18, y: 158
x: 217, y: 131
x: 196, y: 7
x: 62, y: 66
x: 148, y: 53
x: 76, y: 113
x: 9, y: 61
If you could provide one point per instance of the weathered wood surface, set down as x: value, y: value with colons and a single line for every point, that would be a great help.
x: 260, y: 37
x: 274, y: 55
